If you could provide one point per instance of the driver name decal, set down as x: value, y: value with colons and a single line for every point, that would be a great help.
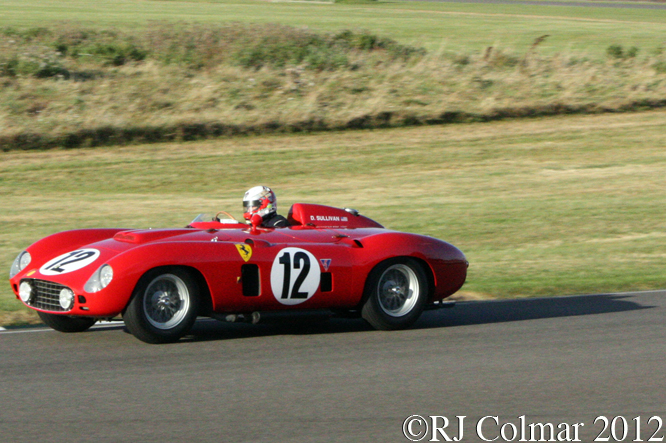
x: 295, y: 276
x: 70, y: 262
x: 328, y: 218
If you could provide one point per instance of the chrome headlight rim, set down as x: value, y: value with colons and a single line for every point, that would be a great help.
x: 100, y: 279
x: 105, y: 275
x: 26, y: 292
x: 20, y: 263
x: 66, y: 299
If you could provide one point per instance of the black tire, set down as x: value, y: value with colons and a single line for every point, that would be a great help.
x: 395, y: 294
x: 164, y: 306
x: 65, y: 323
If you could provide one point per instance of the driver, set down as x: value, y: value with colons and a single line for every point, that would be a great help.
x: 261, y: 200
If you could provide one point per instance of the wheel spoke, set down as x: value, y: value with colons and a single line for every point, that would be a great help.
x: 396, y: 287
x: 166, y: 301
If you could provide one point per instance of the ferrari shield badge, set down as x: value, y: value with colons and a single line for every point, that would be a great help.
x: 244, y: 250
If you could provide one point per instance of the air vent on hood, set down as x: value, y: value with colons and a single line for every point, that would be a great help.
x: 146, y: 236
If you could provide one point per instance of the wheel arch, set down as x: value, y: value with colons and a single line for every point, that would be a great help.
x: 430, y: 276
x: 206, y: 301
x: 427, y: 270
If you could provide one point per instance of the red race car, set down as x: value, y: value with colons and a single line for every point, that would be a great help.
x: 160, y: 280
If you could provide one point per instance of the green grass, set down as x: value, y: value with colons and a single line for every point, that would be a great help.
x: 461, y: 27
x: 75, y: 86
x: 555, y: 206
x: 482, y: 63
x: 541, y: 207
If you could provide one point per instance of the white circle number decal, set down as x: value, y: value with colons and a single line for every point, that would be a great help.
x: 295, y: 276
x: 72, y: 261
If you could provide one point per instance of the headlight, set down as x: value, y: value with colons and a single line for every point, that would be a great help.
x: 25, y: 292
x: 21, y: 262
x: 105, y: 275
x: 66, y: 299
x: 100, y: 279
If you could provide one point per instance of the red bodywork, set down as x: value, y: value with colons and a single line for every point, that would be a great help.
x: 346, y: 247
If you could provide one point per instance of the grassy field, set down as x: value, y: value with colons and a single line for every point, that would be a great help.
x: 131, y: 79
x: 563, y: 205
x: 541, y: 207
x: 466, y: 27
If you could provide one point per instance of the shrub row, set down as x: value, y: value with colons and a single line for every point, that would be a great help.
x: 45, y: 52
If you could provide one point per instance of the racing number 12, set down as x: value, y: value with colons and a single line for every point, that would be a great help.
x: 75, y: 256
x: 302, y: 262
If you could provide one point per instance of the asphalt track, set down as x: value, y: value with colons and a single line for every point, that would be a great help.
x: 561, y: 360
x: 586, y: 4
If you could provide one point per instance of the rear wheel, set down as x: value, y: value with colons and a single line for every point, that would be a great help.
x: 396, y: 293
x: 64, y: 323
x: 164, y: 306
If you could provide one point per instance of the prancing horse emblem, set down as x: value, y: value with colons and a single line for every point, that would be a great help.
x: 244, y: 250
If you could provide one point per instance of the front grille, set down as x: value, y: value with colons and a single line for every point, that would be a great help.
x: 46, y: 295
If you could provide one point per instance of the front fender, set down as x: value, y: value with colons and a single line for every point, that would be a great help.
x: 212, y: 260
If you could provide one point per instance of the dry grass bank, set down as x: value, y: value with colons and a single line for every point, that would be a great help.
x: 72, y: 88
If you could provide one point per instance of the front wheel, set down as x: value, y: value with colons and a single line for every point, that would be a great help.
x: 396, y: 293
x: 64, y: 323
x: 164, y: 306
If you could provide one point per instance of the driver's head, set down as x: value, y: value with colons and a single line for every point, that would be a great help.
x: 259, y: 200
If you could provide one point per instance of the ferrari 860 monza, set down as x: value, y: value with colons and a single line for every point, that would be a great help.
x: 161, y: 280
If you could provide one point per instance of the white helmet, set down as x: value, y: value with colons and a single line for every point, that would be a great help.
x: 259, y: 200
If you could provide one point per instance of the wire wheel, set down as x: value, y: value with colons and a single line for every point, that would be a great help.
x: 397, y: 290
x: 164, y: 305
x: 395, y: 294
x: 166, y: 301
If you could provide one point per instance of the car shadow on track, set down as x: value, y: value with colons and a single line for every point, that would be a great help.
x: 308, y: 323
x: 462, y: 314
x: 497, y: 311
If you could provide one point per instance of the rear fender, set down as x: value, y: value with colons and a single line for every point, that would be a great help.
x: 427, y: 270
x: 444, y: 264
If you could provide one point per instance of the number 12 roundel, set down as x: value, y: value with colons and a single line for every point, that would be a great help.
x: 295, y: 276
x: 72, y: 261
